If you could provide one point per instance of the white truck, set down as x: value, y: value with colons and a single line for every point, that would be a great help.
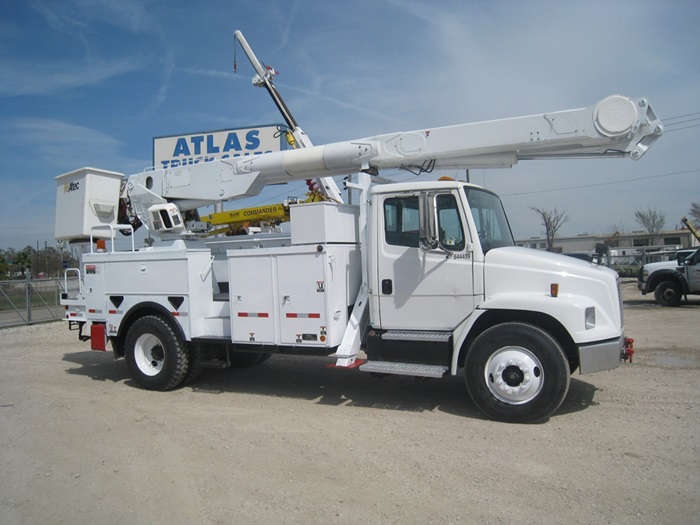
x: 670, y: 280
x: 419, y: 278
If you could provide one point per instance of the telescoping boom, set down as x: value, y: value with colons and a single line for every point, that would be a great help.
x: 617, y: 126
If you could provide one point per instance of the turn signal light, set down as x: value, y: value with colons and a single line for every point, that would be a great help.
x: 554, y: 289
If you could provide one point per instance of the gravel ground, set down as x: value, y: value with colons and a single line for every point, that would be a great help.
x: 293, y: 442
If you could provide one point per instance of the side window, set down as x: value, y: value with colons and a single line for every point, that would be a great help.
x: 401, y: 221
x: 449, y: 223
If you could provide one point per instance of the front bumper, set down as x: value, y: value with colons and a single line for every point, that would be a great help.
x: 604, y: 355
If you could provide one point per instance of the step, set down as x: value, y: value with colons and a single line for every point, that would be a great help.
x: 404, y: 369
x: 408, y: 335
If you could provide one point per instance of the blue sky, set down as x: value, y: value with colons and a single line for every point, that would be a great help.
x: 91, y: 82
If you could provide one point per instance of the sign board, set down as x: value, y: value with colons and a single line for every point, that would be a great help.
x: 192, y: 148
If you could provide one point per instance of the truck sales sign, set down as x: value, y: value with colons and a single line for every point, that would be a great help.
x: 180, y: 150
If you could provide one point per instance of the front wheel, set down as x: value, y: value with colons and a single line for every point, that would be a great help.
x: 668, y: 293
x: 156, y: 356
x: 517, y: 373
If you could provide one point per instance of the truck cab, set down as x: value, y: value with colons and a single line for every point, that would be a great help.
x: 449, y: 289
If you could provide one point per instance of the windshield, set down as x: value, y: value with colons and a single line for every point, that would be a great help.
x: 490, y: 219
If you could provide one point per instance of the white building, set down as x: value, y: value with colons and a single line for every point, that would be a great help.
x: 628, y: 251
x: 584, y: 242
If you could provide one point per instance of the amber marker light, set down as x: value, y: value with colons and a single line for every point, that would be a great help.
x: 554, y: 289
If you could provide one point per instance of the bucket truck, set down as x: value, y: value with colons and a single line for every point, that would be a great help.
x: 421, y: 278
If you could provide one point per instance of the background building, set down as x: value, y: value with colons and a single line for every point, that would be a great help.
x: 627, y: 251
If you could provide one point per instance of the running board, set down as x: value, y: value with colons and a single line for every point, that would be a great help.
x: 404, y: 369
x: 409, y: 335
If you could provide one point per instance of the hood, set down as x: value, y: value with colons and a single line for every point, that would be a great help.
x: 513, y: 270
x: 662, y: 265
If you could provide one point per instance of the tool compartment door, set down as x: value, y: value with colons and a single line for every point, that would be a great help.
x: 252, y: 291
x: 302, y: 298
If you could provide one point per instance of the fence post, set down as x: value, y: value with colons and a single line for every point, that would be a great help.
x: 28, y: 297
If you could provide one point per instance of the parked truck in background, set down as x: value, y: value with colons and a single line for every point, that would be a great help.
x: 419, y: 278
x: 671, y: 280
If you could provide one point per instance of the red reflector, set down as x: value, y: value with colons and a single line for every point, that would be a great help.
x: 112, y: 311
x: 303, y: 316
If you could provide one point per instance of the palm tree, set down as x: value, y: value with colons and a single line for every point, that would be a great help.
x: 23, y: 259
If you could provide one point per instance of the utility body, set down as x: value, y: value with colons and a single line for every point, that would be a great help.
x: 420, y: 278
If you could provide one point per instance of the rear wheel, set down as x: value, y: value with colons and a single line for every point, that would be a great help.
x: 156, y: 356
x: 668, y: 293
x: 517, y: 373
x: 194, y: 367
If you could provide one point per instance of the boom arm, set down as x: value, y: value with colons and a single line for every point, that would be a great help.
x: 617, y: 126
x: 692, y: 228
x: 263, y: 78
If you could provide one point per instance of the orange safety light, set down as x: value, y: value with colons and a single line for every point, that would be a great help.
x: 101, y: 244
x: 554, y: 289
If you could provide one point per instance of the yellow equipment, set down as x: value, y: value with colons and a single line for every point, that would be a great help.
x: 692, y: 228
x: 232, y: 222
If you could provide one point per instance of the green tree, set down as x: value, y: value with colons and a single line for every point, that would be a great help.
x: 4, y: 265
x: 23, y: 261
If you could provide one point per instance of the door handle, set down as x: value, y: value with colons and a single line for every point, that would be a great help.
x: 387, y: 286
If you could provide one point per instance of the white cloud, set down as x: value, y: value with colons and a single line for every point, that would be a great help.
x: 132, y: 15
x: 18, y: 78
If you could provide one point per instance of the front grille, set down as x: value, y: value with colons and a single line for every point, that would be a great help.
x: 619, y: 299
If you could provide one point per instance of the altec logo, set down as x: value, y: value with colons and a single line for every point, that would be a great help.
x: 71, y: 186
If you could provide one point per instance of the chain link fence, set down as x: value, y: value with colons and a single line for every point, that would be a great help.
x: 32, y: 301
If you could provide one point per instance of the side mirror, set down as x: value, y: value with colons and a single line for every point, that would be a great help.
x: 427, y: 222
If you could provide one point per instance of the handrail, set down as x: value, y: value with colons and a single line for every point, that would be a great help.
x: 112, y: 228
x: 65, y: 280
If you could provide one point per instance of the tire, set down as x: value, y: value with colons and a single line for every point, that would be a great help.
x: 194, y: 367
x: 517, y: 373
x: 155, y: 355
x: 668, y: 293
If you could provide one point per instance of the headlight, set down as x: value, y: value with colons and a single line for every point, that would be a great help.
x: 590, y: 318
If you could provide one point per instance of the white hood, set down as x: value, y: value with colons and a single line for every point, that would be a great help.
x: 515, y: 276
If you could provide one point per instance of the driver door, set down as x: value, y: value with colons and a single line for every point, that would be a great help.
x: 693, y: 271
x: 417, y: 289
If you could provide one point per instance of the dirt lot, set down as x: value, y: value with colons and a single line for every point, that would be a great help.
x: 293, y: 442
